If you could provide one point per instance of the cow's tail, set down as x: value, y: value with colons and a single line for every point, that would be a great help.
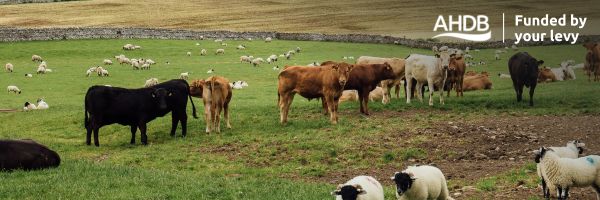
x: 191, y: 100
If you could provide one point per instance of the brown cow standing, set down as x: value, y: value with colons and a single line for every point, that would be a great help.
x: 312, y: 82
x: 456, y: 74
x: 216, y: 95
x: 364, y: 78
x: 592, y: 61
x: 397, y: 65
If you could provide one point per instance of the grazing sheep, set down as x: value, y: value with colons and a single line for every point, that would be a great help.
x: 90, y: 71
x: 245, y: 59
x: 288, y: 56
x: 468, y: 57
x: 298, y: 49
x: 29, y: 106
x: 241, y: 47
x: 42, y: 105
x: 257, y: 61
x: 29, y: 75
x: 128, y: 47
x: 197, y: 44
x: 184, y: 75
x: 9, y: 67
x: 396, y: 42
x: 269, y: 60
x: 145, y: 66
x: 48, y: 70
x: 151, y: 82
x: 150, y: 62
x: 503, y: 75
x: 135, y: 64
x: 218, y: 40
x: 564, y: 173
x: 220, y: 51
x: 274, y: 58
x: 210, y: 71
x: 359, y: 188
x: 124, y: 60
x: 104, y: 72
x: 107, y: 62
x: 189, y: 53
x: 36, y: 58
x: 12, y: 88
x: 572, y: 150
x: 421, y: 183
x: 313, y: 64
x: 41, y: 70
x: 43, y: 64
x: 223, y: 44
x: 203, y: 52
x: 137, y: 47
x: 268, y: 39
x: 276, y: 68
x: 497, y: 56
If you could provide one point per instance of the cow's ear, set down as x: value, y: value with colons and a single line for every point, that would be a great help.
x: 437, y: 55
x: 540, y: 62
x: 170, y: 94
x: 153, y: 94
x: 335, y: 66
x: 452, y: 55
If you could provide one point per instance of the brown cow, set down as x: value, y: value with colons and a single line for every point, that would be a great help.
x: 592, y: 60
x: 312, y: 82
x: 397, y: 65
x: 216, y: 95
x: 546, y: 75
x: 364, y: 78
x: 456, y: 74
x: 477, y: 82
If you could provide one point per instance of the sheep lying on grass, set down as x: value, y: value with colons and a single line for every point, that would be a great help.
x: 359, y: 188
x: 421, y: 183
x: 564, y: 173
x: 151, y: 82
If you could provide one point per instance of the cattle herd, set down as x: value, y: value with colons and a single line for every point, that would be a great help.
x: 327, y: 82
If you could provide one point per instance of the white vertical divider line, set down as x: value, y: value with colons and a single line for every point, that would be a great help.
x: 503, y: 27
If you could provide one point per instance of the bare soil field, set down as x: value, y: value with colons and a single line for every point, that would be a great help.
x: 413, y: 19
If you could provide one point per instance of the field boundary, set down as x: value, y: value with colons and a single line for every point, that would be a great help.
x: 8, y: 34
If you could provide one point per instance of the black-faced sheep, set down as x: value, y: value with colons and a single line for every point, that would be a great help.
x: 359, y: 188
x: 421, y: 183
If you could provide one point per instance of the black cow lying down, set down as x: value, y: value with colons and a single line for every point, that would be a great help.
x: 136, y: 107
x: 26, y: 155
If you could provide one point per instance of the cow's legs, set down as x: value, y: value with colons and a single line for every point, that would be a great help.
x: 431, y: 90
x: 183, y: 120
x: 218, y: 117
x: 226, y: 114
x: 385, y: 85
x: 397, y: 90
x: 331, y: 108
x: 360, y: 101
x: 133, y: 130
x: 207, y: 117
x: 143, y: 133
x: 286, y: 101
x: 364, y: 101
x: 88, y: 136
x: 96, y: 129
x: 531, y: 91
x: 324, y: 104
x: 518, y: 88
x: 408, y: 90
x: 461, y: 81
x: 174, y: 121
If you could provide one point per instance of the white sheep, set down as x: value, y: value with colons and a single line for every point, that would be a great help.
x: 298, y: 49
x: 9, y: 67
x: 135, y: 64
x: 203, y: 52
x: 223, y: 44
x: 421, y: 183
x: 42, y: 105
x: 218, y: 40
x: 269, y: 60
x: 220, y: 51
x: 359, y: 188
x: 245, y: 59
x: 29, y: 106
x: 14, y: 89
x: 90, y: 71
x: 564, y: 173
x: 313, y: 64
x: 107, y: 62
x: 124, y: 60
x: 29, y: 75
x: 184, y: 75
x: 36, y: 58
x: 210, y: 71
x: 503, y: 75
x: 41, y: 70
x: 572, y: 150
x: 257, y: 61
x: 145, y: 66
x: 273, y: 57
x: 104, y: 72
x: 137, y: 47
x: 150, y: 62
x: 276, y: 68
x: 241, y: 47
x: 189, y: 53
x: 43, y: 64
x: 151, y: 82
x: 268, y: 39
x: 47, y: 70
x: 497, y: 56
x: 128, y: 47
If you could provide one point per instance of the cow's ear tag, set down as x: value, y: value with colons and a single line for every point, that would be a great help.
x: 153, y: 96
x: 170, y: 94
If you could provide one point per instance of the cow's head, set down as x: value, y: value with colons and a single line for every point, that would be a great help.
x: 453, y: 62
x: 443, y: 59
x: 590, y: 46
x: 343, y: 70
x: 160, y: 97
x: 196, y: 88
x: 388, y: 71
x: 349, y: 192
x: 404, y: 181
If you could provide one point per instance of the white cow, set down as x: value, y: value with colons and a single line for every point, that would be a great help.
x: 564, y: 72
x: 432, y: 70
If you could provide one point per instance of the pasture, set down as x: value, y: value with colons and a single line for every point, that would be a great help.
x: 482, y: 140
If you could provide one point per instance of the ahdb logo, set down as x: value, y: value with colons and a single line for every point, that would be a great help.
x: 463, y: 26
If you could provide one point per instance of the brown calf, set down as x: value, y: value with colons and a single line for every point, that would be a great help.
x: 592, y: 60
x: 456, y: 74
x: 312, y: 82
x: 546, y: 75
x: 216, y: 95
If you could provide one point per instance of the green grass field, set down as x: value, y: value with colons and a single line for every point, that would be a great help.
x: 258, y: 158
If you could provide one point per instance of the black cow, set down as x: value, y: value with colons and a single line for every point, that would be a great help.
x: 524, y: 72
x: 136, y: 107
x: 26, y: 155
